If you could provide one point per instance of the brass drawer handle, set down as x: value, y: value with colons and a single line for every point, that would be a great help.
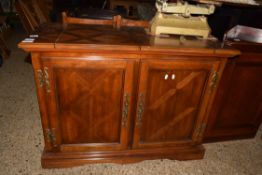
x: 43, y: 78
x: 40, y: 76
x: 46, y: 77
x: 50, y: 135
x: 140, y: 110
x: 214, y: 80
x: 125, y: 109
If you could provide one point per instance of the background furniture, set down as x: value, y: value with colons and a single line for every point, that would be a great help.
x: 4, y: 33
x: 119, y: 95
x: 129, y: 6
x: 94, y: 13
x: 229, y: 15
x: 72, y: 20
x: 1, y: 8
x: 116, y: 21
x: 31, y: 14
x: 237, y: 109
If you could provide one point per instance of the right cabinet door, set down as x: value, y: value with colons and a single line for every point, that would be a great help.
x: 173, y: 99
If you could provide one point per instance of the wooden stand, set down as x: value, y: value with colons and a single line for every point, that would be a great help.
x: 54, y: 160
x: 112, y: 95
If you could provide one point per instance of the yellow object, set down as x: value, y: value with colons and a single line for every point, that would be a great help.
x: 175, y: 18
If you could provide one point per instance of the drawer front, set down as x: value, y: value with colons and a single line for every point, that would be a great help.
x: 173, y: 100
x: 88, y: 103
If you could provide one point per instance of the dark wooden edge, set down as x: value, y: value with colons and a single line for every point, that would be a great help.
x: 223, y: 138
x: 29, y: 47
x: 72, y: 20
x: 228, y: 52
x: 134, y: 23
x: 90, y: 48
x: 87, y: 47
x: 62, y: 160
x: 191, y: 51
x: 117, y: 21
x: 227, y: 134
x: 243, y: 46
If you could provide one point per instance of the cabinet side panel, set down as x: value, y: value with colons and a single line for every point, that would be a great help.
x: 237, y: 109
x: 244, y: 104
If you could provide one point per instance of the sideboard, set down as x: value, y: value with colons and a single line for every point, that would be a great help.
x: 120, y: 95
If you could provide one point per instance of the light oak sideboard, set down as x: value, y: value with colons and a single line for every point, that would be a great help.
x: 119, y: 95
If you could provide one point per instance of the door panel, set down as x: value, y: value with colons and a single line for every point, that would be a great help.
x: 87, y: 99
x: 90, y: 93
x: 184, y: 92
x: 170, y: 98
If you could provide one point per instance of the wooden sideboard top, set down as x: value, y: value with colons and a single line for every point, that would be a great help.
x: 128, y: 39
x: 244, y: 46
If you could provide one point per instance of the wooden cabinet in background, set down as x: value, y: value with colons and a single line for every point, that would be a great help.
x: 237, y: 108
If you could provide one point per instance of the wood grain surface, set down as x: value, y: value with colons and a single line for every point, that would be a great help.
x: 119, y: 95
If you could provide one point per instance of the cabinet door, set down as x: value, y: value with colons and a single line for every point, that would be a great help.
x: 172, y: 102
x: 237, y: 109
x: 88, y: 103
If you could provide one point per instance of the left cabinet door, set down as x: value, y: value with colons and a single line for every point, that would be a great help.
x: 88, y: 103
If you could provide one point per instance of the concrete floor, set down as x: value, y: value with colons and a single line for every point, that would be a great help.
x: 21, y: 140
